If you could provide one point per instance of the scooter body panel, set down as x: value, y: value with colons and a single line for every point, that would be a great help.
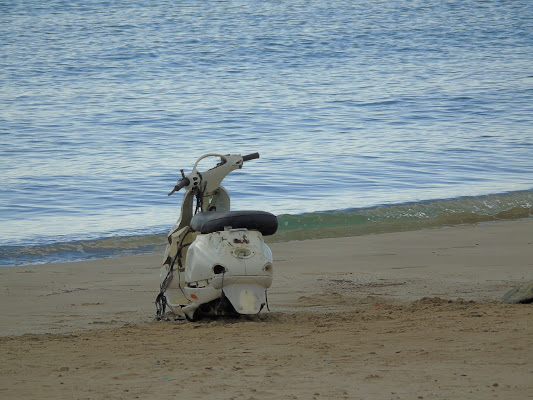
x: 237, y: 252
x: 235, y: 259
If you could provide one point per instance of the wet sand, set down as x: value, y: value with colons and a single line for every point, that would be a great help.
x: 393, y: 316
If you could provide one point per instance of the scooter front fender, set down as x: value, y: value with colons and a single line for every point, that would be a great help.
x: 246, y: 298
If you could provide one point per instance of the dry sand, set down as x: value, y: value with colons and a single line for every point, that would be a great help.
x: 413, y: 315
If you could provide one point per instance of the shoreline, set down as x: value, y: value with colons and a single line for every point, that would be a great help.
x: 377, y: 219
x: 397, y: 314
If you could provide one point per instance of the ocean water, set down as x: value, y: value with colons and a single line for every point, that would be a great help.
x: 370, y: 116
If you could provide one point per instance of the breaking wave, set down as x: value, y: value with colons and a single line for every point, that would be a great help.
x: 407, y: 217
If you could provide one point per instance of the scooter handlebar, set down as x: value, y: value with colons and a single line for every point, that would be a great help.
x: 249, y: 157
x: 180, y: 185
x: 184, y: 182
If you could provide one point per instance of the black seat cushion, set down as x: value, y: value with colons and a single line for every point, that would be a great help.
x: 214, y: 221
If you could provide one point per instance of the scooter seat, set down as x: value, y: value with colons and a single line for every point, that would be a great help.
x: 215, y: 221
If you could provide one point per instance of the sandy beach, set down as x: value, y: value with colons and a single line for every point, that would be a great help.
x: 411, y: 315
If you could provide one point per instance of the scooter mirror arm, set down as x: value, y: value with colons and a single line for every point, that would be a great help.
x: 223, y: 159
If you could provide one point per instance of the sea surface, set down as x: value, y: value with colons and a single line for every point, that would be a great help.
x: 370, y: 116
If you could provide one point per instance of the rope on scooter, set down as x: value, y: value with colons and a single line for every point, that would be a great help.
x: 266, y: 300
x: 161, y: 299
x: 200, y: 195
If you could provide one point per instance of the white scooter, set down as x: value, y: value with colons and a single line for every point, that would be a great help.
x: 216, y: 262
